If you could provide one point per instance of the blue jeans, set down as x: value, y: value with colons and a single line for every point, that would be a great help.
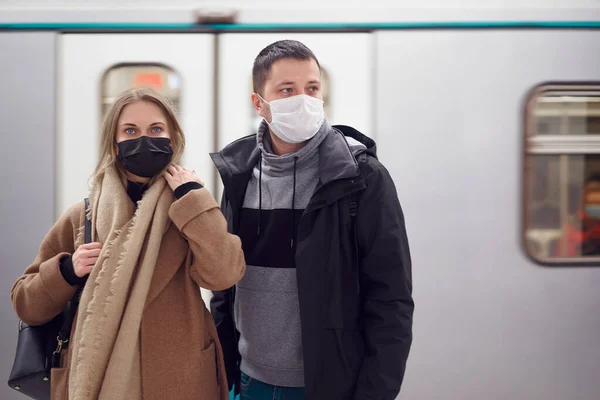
x: 251, y: 389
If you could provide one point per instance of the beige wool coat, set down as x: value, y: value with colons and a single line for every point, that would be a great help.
x: 181, y: 356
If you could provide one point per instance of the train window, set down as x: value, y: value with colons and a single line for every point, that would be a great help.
x: 325, y: 90
x: 562, y: 175
x: 121, y: 77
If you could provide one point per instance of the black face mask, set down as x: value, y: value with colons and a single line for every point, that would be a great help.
x: 145, y: 156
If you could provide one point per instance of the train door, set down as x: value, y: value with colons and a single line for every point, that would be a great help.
x: 346, y: 64
x: 95, y: 68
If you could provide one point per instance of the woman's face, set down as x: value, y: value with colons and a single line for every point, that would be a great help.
x: 141, y: 118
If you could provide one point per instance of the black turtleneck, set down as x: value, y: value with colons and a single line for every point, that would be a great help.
x: 135, y: 190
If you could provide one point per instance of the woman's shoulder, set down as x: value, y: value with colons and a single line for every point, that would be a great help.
x: 75, y: 213
x: 72, y: 219
x: 65, y: 232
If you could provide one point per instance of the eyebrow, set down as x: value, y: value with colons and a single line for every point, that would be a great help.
x: 285, y: 83
x: 292, y: 82
x: 134, y: 125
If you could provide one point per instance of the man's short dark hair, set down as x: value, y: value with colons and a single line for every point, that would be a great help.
x: 279, y: 50
x: 593, y: 178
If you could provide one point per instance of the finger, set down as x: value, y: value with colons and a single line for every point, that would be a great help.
x: 87, y: 268
x: 91, y: 246
x: 88, y: 246
x: 88, y: 256
x: 80, y: 272
x: 85, y: 271
x: 178, y: 167
x: 169, y: 177
x: 86, y: 262
x: 172, y: 170
x: 92, y: 253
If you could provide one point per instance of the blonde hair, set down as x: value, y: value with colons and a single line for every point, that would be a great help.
x: 108, y: 154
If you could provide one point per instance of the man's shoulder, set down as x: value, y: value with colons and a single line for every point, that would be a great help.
x: 246, y: 142
x: 377, y: 177
x: 237, y: 153
x: 370, y: 165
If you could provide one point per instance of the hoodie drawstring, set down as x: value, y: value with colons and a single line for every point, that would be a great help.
x: 259, y: 193
x: 294, y: 205
x: 293, y: 237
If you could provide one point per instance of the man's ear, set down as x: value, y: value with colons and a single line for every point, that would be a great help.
x: 256, y: 102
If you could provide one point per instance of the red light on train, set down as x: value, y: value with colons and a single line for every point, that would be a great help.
x: 149, y: 79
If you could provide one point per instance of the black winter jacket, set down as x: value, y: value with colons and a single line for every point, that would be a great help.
x: 353, y: 270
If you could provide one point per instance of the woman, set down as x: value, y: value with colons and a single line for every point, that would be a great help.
x: 142, y: 329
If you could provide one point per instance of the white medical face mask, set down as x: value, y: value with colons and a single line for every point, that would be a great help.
x: 296, y: 119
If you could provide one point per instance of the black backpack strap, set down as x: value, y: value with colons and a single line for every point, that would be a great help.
x: 71, y: 308
x: 361, y: 158
x: 353, y: 211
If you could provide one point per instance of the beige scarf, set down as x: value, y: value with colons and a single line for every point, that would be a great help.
x: 105, y: 359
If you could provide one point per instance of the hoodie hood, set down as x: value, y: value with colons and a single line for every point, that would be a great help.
x: 301, y: 159
x: 359, y: 143
x: 337, y: 161
x: 240, y: 156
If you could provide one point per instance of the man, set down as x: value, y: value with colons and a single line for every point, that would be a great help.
x: 325, y: 308
x: 582, y: 233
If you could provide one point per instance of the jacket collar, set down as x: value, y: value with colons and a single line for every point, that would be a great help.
x: 338, y: 169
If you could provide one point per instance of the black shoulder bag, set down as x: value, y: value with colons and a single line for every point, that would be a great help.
x: 39, y: 347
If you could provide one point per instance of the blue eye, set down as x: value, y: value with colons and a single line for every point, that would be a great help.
x: 130, y: 131
x: 157, y: 129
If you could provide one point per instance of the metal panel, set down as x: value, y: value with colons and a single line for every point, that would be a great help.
x: 489, y: 323
x: 27, y: 159
x: 342, y: 12
x: 572, y: 144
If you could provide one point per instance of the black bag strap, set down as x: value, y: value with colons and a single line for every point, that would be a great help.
x: 71, y: 308
x: 87, y: 233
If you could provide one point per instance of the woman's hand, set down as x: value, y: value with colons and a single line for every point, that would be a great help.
x: 85, y: 258
x: 177, y: 176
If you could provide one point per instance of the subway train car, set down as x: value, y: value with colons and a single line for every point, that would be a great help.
x: 491, y: 132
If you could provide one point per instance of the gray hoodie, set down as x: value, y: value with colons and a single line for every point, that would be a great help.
x: 266, y: 307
